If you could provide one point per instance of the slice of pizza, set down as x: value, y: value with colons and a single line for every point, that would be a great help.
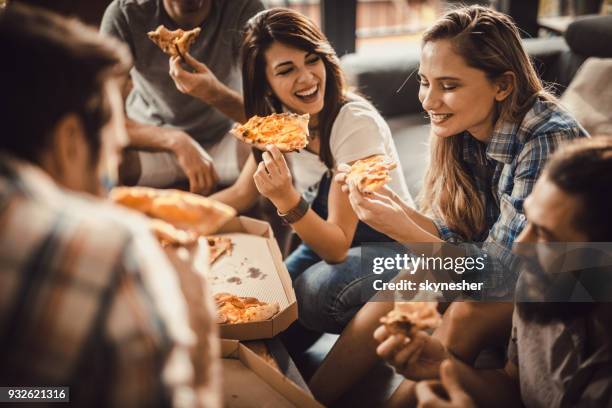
x: 219, y: 246
x: 183, y: 210
x: 174, y: 43
x: 408, y: 317
x: 232, y: 309
x: 371, y: 173
x: 287, y: 131
x: 167, y: 234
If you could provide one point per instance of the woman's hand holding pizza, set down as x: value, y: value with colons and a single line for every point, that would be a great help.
x: 417, y: 357
x: 380, y: 212
x: 273, y: 180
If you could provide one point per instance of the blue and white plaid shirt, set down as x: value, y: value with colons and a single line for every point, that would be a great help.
x: 505, y: 171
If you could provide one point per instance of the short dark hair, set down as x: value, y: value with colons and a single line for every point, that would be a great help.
x: 583, y: 168
x: 52, y: 66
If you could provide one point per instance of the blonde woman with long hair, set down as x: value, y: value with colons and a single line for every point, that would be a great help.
x: 493, y: 127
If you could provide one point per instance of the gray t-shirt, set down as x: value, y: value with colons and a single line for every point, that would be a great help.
x: 554, y: 367
x: 154, y: 99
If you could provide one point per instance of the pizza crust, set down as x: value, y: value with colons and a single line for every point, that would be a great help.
x: 232, y: 309
x: 167, y: 234
x: 174, y: 43
x: 371, y: 173
x: 287, y: 131
x: 409, y: 317
x: 183, y: 210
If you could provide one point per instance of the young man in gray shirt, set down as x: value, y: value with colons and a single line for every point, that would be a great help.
x: 180, y: 111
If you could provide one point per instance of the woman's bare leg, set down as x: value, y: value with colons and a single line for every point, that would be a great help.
x: 352, y: 356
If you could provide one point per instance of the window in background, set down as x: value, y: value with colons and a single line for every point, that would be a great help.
x: 310, y: 8
x: 385, y: 23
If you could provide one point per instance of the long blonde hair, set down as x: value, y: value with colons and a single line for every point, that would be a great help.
x: 489, y: 41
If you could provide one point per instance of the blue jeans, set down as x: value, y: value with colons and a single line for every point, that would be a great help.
x: 329, y: 295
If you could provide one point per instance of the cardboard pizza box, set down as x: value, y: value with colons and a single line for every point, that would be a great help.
x: 254, y: 268
x: 249, y: 381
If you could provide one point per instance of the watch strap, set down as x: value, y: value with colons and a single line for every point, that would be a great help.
x: 296, y: 213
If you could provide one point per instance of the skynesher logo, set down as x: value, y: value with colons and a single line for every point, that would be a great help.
x: 413, y: 263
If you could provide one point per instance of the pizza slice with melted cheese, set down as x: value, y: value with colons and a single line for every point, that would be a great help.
x: 371, y: 173
x: 287, y: 131
x: 234, y: 309
x: 408, y: 317
x: 183, y: 210
x: 174, y: 43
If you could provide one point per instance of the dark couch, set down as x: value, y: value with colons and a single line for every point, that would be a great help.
x: 380, y: 77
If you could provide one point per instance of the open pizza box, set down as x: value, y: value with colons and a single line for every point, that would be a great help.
x: 254, y: 268
x: 249, y: 381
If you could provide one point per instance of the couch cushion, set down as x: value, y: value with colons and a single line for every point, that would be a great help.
x: 589, y: 96
x: 591, y: 36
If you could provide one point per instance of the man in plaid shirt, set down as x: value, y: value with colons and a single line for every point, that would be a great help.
x: 88, y: 299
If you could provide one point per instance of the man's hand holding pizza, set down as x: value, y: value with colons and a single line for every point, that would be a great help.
x: 416, y: 357
x: 273, y: 180
x: 201, y: 83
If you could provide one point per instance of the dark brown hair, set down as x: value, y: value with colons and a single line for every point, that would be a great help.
x: 488, y: 41
x: 295, y: 30
x: 582, y: 168
x: 52, y: 66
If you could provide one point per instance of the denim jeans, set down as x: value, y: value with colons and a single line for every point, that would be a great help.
x: 329, y: 295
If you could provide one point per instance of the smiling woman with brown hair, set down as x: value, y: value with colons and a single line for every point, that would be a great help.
x: 289, y: 66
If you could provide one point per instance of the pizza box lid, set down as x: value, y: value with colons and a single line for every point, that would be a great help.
x: 249, y: 381
x: 255, y: 268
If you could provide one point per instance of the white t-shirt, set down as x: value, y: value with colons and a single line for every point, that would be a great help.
x: 358, y: 132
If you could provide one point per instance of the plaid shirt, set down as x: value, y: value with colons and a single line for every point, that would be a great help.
x: 505, y: 171
x: 89, y: 300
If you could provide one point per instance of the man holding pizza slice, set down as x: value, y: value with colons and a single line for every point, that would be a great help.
x: 181, y: 108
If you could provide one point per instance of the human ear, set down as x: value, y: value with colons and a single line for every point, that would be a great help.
x: 68, y: 157
x: 504, y: 85
x: 69, y: 140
